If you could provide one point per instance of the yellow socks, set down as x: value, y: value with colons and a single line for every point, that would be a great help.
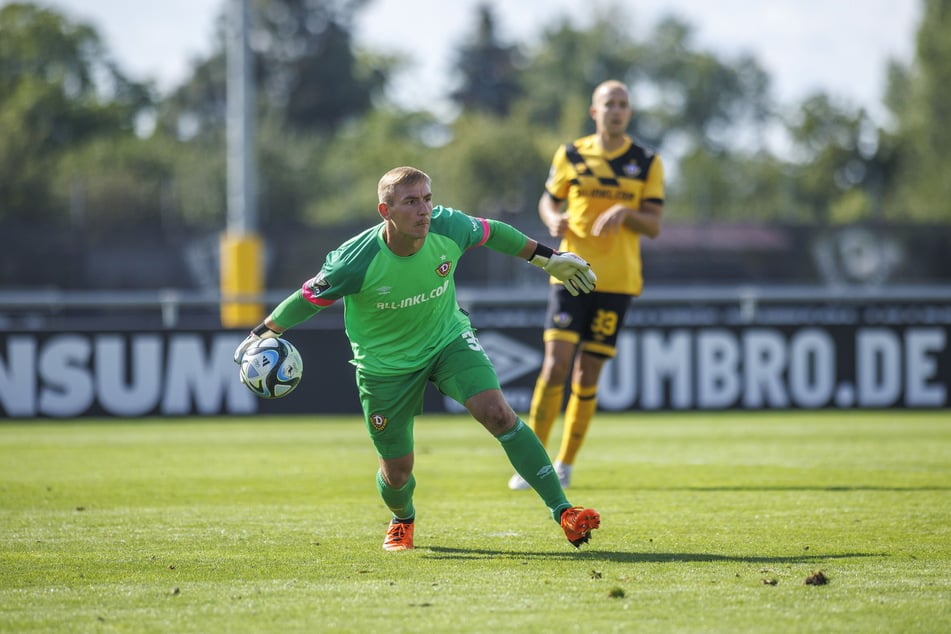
x: 581, y: 407
x: 546, y: 405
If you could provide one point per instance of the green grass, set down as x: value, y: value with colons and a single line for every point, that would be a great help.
x: 710, y: 523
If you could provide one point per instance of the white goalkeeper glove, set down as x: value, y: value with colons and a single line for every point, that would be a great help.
x: 259, y: 332
x: 571, y: 270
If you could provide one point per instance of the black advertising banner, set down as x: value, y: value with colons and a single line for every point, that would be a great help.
x: 679, y: 358
x: 166, y: 373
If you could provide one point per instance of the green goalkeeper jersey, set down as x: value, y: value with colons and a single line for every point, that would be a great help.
x: 399, y: 312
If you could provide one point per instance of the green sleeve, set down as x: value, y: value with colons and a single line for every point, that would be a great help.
x: 294, y: 310
x: 505, y: 238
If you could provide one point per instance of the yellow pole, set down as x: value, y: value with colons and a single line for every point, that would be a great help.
x: 242, y: 274
x: 242, y: 261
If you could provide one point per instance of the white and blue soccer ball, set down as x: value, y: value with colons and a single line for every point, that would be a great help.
x: 271, y: 368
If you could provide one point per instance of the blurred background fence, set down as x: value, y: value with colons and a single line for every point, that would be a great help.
x: 697, y: 254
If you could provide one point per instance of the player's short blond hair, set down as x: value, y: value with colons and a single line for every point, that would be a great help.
x: 398, y: 177
x: 606, y: 86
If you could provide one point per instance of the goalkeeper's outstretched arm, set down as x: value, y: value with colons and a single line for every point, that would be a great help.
x: 568, y: 268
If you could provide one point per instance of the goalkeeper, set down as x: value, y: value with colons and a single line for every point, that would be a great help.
x: 406, y: 329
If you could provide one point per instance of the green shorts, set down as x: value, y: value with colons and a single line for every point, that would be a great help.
x: 391, y: 403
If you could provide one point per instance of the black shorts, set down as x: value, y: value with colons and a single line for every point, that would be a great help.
x: 591, y: 321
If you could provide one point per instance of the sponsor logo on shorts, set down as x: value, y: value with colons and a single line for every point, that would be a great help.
x: 378, y: 421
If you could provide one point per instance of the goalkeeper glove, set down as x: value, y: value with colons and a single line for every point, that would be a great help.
x: 572, y: 271
x: 258, y: 333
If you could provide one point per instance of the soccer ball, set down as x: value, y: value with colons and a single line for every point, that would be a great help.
x: 271, y: 368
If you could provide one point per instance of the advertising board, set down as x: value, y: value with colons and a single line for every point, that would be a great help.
x: 680, y: 358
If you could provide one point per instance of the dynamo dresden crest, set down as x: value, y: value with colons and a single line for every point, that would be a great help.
x: 443, y: 269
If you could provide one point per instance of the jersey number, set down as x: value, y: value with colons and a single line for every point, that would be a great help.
x: 470, y: 338
x: 605, y: 323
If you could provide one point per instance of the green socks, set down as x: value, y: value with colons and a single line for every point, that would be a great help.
x: 399, y: 501
x: 524, y: 451
x: 531, y: 461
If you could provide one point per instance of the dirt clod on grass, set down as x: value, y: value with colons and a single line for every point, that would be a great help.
x: 817, y: 578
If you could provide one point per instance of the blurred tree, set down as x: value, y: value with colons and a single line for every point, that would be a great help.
x: 691, y: 105
x: 69, y: 118
x: 307, y: 72
x: 731, y: 187
x: 343, y: 172
x: 697, y: 95
x: 836, y: 161
x: 197, y: 108
x: 708, y: 117
x: 920, y: 97
x: 115, y: 183
x: 308, y: 67
x: 312, y: 86
x: 58, y: 89
x: 488, y: 70
x: 562, y: 70
x: 492, y: 168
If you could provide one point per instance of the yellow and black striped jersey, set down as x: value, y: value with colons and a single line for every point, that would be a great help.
x: 591, y: 181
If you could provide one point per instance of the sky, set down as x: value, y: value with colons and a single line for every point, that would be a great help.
x: 840, y: 47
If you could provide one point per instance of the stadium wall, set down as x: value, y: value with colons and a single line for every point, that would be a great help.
x: 697, y: 355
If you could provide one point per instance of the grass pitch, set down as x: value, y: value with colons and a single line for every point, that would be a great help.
x: 710, y: 523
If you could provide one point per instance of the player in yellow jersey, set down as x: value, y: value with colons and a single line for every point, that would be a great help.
x: 604, y: 192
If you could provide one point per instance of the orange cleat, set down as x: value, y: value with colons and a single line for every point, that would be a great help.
x: 399, y: 536
x: 578, y: 522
